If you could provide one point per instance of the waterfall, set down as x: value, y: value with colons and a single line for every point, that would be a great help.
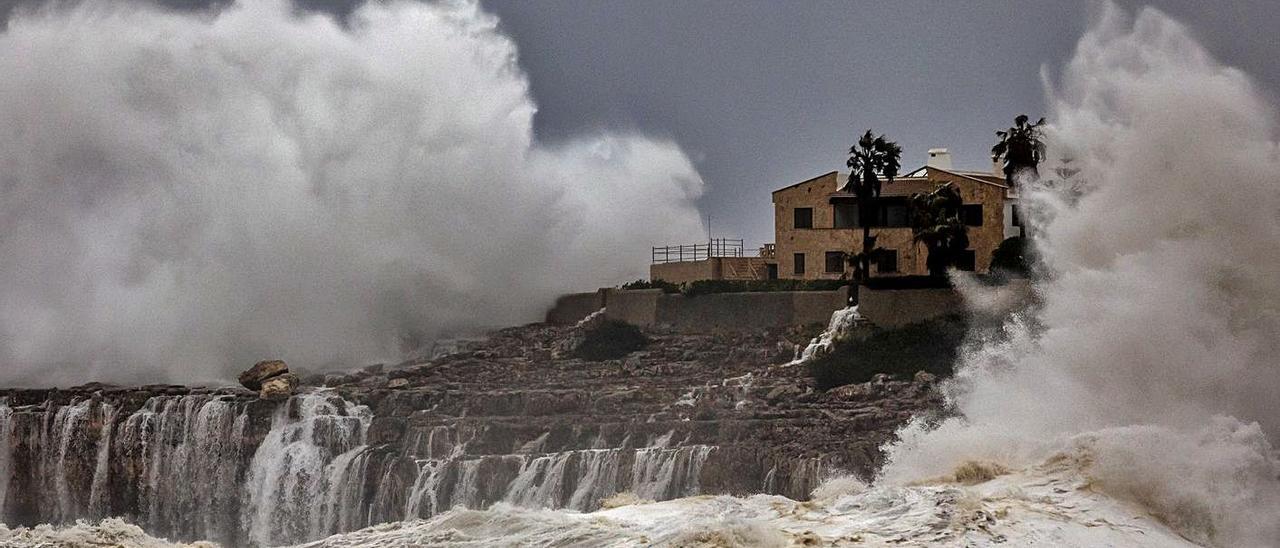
x: 239, y: 471
x: 297, y: 464
x: 424, y: 499
x: 185, y: 451
x: 663, y: 473
x: 6, y: 451
x: 598, y: 478
x: 62, y: 435
x: 98, y: 490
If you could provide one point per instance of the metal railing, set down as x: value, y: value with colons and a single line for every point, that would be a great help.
x: 716, y: 247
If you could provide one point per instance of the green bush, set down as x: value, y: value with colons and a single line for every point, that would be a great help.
x: 708, y: 287
x: 930, y: 346
x: 665, y: 286
x: 610, y: 340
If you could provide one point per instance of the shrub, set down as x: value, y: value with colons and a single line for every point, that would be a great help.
x: 665, y: 286
x: 610, y: 340
x: 708, y: 287
x: 1013, y: 256
x: 931, y: 345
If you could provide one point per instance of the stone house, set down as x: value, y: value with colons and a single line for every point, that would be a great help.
x: 816, y: 222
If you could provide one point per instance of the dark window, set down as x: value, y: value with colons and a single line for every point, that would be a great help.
x: 773, y: 271
x: 846, y: 216
x: 835, y: 262
x: 887, y: 260
x: 1016, y: 216
x: 888, y: 212
x: 804, y: 217
x: 966, y: 261
x: 799, y: 258
x: 895, y: 215
x: 972, y: 214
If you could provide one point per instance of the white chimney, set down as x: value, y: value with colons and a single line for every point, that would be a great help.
x: 939, y: 158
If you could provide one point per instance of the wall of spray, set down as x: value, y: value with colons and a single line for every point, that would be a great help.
x: 1152, y: 362
x: 184, y: 193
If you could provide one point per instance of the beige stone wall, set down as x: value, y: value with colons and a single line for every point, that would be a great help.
x: 724, y: 311
x: 898, y: 307
x: 743, y: 268
x: 571, y: 308
x: 823, y: 237
x: 636, y: 307
x: 715, y: 268
x: 682, y: 272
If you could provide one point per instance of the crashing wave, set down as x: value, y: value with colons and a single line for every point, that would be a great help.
x: 108, y: 532
x: 1055, y: 503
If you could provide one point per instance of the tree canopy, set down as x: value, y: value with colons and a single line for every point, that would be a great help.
x: 936, y: 222
x: 1021, y: 148
x: 873, y: 161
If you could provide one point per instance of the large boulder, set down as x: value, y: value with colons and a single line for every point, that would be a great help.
x: 260, y: 372
x: 278, y: 387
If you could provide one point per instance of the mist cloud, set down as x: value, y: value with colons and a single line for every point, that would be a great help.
x: 182, y: 194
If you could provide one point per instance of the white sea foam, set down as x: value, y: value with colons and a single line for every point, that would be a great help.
x: 1052, y: 504
x: 108, y: 532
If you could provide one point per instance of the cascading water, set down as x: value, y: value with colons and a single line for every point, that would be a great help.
x: 298, y: 463
x: 220, y: 467
x: 579, y: 480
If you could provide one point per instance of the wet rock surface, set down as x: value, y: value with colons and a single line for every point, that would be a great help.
x: 255, y: 376
x: 511, y: 418
x: 731, y: 391
x: 279, y: 387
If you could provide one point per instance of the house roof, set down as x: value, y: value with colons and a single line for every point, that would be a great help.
x: 918, y: 174
x: 809, y: 180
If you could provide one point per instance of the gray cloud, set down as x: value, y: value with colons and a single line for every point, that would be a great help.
x: 767, y: 93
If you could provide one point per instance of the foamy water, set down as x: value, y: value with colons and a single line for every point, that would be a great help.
x: 1051, y: 504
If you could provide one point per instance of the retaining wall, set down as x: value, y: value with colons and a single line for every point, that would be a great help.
x: 636, y: 307
x: 721, y: 311
x: 571, y: 308
x: 899, y: 307
x: 887, y: 308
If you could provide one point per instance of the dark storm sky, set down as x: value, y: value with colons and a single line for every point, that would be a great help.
x: 765, y: 93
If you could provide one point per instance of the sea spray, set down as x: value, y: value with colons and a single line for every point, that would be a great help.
x: 185, y: 192
x: 1159, y: 318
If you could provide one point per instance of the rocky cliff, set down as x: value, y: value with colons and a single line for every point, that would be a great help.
x: 511, y: 418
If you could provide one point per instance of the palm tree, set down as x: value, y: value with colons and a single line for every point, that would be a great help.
x: 936, y: 222
x: 872, y: 159
x: 1020, y: 148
